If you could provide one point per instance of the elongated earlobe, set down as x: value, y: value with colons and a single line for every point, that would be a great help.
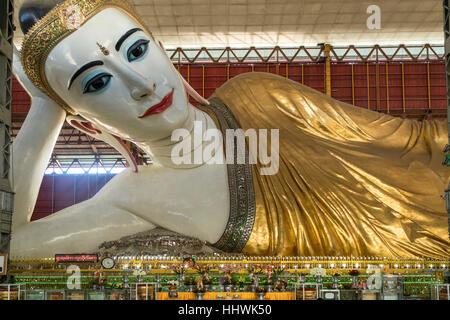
x: 194, y: 94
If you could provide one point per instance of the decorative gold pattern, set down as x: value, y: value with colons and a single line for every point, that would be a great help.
x: 240, y: 184
x: 56, y: 25
x: 351, y: 182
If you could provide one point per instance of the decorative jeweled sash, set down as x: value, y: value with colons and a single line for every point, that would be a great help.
x: 240, y: 183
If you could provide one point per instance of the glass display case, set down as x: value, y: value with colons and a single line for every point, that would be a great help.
x: 370, y: 294
x: 117, y: 294
x: 418, y: 286
x: 95, y: 295
x: 307, y: 291
x: 391, y: 287
x: 143, y: 291
x: 330, y: 294
x: 55, y: 295
x: 75, y: 295
x: 35, y: 295
x: 10, y: 292
x: 440, y: 291
x: 350, y: 294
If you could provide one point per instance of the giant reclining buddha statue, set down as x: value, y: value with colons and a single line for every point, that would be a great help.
x: 350, y: 181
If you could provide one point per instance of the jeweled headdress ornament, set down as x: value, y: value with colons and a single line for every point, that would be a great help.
x: 56, y: 25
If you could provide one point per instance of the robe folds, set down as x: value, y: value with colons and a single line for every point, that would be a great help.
x: 351, y: 181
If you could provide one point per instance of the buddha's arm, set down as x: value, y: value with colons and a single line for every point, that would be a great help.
x: 82, y: 227
x: 32, y: 148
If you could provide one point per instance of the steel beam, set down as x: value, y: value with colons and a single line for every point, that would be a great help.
x: 302, y: 54
x: 6, y: 195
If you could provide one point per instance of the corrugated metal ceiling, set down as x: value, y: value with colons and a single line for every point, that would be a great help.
x: 244, y: 23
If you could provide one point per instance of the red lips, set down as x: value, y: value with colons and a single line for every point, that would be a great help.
x: 160, y: 106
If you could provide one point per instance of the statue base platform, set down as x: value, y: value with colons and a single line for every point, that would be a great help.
x: 157, y: 241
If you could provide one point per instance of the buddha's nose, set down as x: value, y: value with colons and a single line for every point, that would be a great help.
x: 142, y: 91
x: 139, y: 85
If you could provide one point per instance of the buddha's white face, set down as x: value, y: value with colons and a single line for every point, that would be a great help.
x: 134, y: 91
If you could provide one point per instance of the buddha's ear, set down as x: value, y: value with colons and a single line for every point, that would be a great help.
x: 99, y: 133
x: 197, y: 97
x: 194, y: 94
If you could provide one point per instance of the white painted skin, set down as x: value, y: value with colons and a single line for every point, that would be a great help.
x: 191, y: 200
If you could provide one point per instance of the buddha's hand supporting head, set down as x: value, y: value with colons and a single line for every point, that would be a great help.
x: 111, y: 71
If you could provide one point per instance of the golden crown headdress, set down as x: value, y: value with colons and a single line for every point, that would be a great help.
x: 56, y: 25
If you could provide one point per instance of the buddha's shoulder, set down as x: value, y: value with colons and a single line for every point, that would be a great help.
x: 254, y: 78
x: 261, y: 88
x: 260, y: 83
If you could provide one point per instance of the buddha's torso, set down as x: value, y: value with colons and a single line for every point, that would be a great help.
x: 193, y: 202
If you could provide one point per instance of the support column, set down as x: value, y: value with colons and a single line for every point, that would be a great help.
x: 6, y: 52
x: 446, y: 160
x: 327, y: 49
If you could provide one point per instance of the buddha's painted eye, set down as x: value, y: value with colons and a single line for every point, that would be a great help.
x: 97, y: 83
x: 137, y: 50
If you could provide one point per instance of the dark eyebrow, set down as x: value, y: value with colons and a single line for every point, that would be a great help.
x: 126, y: 35
x: 83, y: 69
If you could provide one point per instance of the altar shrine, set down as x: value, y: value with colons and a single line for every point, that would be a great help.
x: 229, y: 278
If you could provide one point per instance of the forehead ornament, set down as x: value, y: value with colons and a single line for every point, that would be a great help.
x: 104, y: 50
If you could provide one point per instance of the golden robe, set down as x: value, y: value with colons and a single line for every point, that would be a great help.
x: 351, y: 181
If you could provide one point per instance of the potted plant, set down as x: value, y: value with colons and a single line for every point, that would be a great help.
x: 260, y: 293
x: 228, y: 281
x: 98, y: 280
x: 240, y: 283
x: 189, y: 282
x: 269, y: 285
x: 273, y: 274
x: 173, y: 292
x: 204, y: 271
x: 139, y: 274
x: 199, y: 290
x: 179, y: 270
x: 207, y: 283
x: 336, y: 281
x: 252, y: 283
x: 253, y: 271
x: 347, y: 286
x: 354, y: 274
x: 318, y: 273
x: 281, y: 286
x: 301, y: 278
